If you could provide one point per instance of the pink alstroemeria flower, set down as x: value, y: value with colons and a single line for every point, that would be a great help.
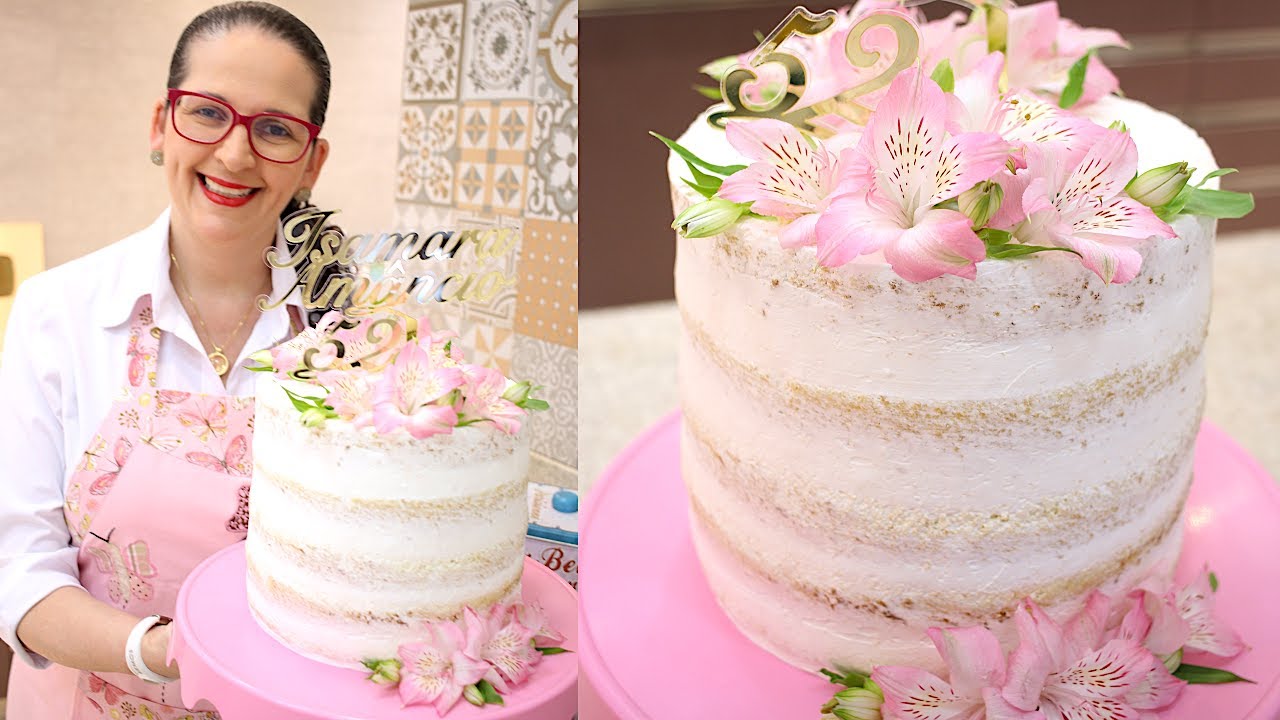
x: 1086, y: 209
x: 438, y: 670
x: 1041, y: 48
x: 904, y: 166
x: 287, y: 357
x: 1209, y: 633
x: 976, y: 666
x: 533, y: 617
x: 407, y: 394
x: 1059, y: 671
x: 502, y: 641
x: 483, y: 392
x: 790, y: 176
x: 350, y: 394
x: 1153, y: 622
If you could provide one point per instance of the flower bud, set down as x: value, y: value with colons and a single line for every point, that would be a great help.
x: 473, y: 695
x: 981, y: 202
x: 859, y: 703
x: 709, y: 217
x: 518, y: 392
x: 719, y: 67
x: 385, y: 672
x: 1172, y: 660
x: 313, y: 417
x: 1159, y: 186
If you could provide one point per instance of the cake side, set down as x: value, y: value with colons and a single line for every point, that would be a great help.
x: 868, y: 457
x: 355, y: 538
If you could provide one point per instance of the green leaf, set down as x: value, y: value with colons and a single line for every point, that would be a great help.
x: 1198, y: 675
x: 703, y: 179
x: 689, y: 157
x: 1167, y: 212
x: 706, y: 191
x: 1218, y: 203
x: 992, y: 236
x: 552, y: 650
x: 708, y: 91
x: 1014, y: 250
x: 1075, y: 82
x: 849, y: 679
x: 1213, y: 582
x: 945, y: 76
x: 302, y: 403
x: 1216, y: 173
x: 491, y: 696
x: 535, y: 404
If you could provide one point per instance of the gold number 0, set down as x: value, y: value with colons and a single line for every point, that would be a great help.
x: 799, y: 21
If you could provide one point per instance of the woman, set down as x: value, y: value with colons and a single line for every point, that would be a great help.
x: 127, y: 421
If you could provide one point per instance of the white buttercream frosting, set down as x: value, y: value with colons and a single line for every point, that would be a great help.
x: 868, y: 457
x: 356, y: 538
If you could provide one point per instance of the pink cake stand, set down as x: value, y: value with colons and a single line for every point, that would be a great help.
x: 227, y: 660
x: 655, y: 644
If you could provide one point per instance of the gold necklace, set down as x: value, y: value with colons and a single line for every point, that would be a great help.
x: 217, y: 358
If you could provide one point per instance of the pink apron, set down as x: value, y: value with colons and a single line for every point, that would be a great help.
x: 163, y: 485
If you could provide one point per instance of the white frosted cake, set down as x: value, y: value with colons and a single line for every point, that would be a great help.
x: 868, y: 457
x: 360, y: 533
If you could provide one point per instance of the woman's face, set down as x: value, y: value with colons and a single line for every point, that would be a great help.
x: 253, y: 72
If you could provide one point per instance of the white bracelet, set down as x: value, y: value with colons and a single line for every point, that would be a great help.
x: 133, y: 650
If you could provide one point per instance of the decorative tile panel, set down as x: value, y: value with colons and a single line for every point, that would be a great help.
x: 557, y: 70
x: 433, y: 53
x: 548, y: 300
x: 555, y: 367
x: 553, y: 163
x: 500, y: 49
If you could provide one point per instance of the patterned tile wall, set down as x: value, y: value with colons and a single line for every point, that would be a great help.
x: 489, y: 138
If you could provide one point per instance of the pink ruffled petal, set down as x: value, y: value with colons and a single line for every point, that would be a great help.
x: 1107, y: 167
x: 853, y: 227
x: 904, y: 137
x: 801, y: 232
x: 1000, y: 709
x: 1208, y: 632
x: 973, y: 657
x: 941, y: 243
x: 1113, y: 263
x: 966, y: 160
x: 790, y: 176
x: 1155, y: 688
x: 1108, y: 672
x: 920, y: 695
x: 1083, y: 632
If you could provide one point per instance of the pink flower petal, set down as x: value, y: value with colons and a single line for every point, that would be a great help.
x: 1107, y: 167
x: 999, y: 709
x: 1099, y: 82
x: 920, y: 695
x: 1083, y: 632
x: 978, y: 106
x: 431, y: 420
x: 801, y: 232
x: 790, y: 177
x: 973, y: 657
x: 1155, y: 688
x: 1108, y: 672
x: 941, y: 243
x: 1113, y: 263
x: 853, y: 225
x: 1208, y: 632
x: 904, y: 135
x: 966, y: 160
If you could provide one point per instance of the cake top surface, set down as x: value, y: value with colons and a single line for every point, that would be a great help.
x: 869, y: 134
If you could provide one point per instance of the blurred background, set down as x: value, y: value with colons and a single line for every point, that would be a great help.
x: 440, y: 114
x: 1214, y: 64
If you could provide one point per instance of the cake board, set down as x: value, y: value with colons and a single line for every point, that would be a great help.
x: 230, y: 662
x: 656, y: 646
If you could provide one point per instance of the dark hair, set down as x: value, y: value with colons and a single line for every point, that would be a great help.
x: 278, y: 22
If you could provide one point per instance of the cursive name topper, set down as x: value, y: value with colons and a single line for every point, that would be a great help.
x: 357, y: 294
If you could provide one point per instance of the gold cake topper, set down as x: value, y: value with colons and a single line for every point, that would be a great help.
x: 360, y: 294
x: 788, y: 103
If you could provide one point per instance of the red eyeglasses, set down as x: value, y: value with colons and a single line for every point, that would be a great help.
x: 207, y: 120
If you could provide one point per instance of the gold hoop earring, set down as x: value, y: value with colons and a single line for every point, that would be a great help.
x: 303, y: 196
x: 157, y: 157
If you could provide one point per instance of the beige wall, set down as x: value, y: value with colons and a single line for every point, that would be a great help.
x: 84, y: 173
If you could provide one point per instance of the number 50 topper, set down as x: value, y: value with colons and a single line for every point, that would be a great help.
x: 803, y: 22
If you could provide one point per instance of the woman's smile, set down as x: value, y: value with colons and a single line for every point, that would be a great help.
x: 225, y: 192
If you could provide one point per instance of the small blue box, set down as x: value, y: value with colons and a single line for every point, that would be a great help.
x: 553, y: 530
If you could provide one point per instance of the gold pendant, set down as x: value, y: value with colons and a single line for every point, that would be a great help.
x: 220, y: 362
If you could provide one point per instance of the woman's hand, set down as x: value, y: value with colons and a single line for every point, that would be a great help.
x: 155, y: 650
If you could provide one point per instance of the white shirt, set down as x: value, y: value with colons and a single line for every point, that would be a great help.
x: 64, y: 365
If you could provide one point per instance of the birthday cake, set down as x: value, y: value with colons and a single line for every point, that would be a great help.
x: 388, y: 492
x: 942, y: 353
